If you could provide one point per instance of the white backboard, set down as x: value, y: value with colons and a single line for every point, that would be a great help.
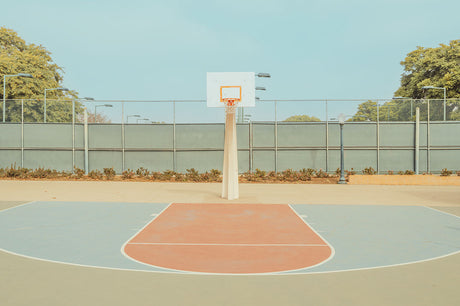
x: 225, y: 85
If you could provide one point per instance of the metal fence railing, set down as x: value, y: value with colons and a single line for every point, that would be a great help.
x: 195, y: 111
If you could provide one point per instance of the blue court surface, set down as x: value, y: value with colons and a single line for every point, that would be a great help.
x: 94, y: 233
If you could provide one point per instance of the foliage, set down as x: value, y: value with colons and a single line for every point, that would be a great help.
x: 95, y: 174
x: 127, y: 174
x: 439, y: 67
x: 16, y: 56
x: 369, y: 171
x: 193, y: 175
x: 445, y: 172
x: 109, y: 173
x: 142, y: 172
x: 78, y: 173
x: 302, y: 118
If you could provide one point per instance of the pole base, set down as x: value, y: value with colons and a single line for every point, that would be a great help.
x: 342, y: 181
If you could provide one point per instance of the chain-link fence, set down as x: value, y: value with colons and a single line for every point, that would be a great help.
x: 196, y: 111
x: 275, y: 135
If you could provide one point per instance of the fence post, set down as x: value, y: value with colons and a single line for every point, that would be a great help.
x: 73, y: 134
x: 22, y: 133
x: 174, y: 136
x: 327, y: 139
x: 428, y: 160
x: 86, y: 140
x: 417, y: 140
x: 378, y: 139
x: 276, y: 140
x: 250, y: 145
x: 122, y: 136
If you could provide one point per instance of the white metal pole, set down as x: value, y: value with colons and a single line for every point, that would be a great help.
x: 445, y: 104
x: 44, y: 109
x: 4, y: 97
x: 86, y: 140
x: 22, y: 133
x: 417, y: 140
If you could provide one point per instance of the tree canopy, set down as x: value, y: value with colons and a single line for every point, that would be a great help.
x: 437, y: 67
x: 16, y: 56
x: 302, y: 118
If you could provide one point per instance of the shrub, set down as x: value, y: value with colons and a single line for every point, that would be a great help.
x: 259, y: 174
x: 95, y: 174
x: 127, y: 174
x: 321, y: 174
x: 289, y: 175
x: 12, y: 171
x: 458, y: 173
x: 445, y: 172
x: 155, y: 176
x: 41, y: 173
x: 109, y: 173
x: 400, y: 172
x: 193, y: 175
x: 369, y: 171
x: 212, y: 176
x: 390, y: 172
x: 78, y: 173
x: 350, y: 172
x: 168, y: 175
x: 305, y: 174
x: 409, y: 172
x: 142, y: 172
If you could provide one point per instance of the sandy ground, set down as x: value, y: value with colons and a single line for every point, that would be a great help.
x: 26, y: 281
x: 210, y: 193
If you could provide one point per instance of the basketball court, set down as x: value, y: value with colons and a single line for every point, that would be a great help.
x: 239, y: 252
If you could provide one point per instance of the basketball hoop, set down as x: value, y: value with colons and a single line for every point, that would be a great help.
x: 230, y: 96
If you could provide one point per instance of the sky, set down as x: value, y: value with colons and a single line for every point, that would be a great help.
x: 161, y: 50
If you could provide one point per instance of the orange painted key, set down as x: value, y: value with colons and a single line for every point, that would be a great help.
x: 228, y: 238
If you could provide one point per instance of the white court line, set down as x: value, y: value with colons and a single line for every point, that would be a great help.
x: 17, y: 206
x: 234, y: 244
x: 441, y: 211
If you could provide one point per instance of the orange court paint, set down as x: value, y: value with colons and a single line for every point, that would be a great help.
x: 228, y: 238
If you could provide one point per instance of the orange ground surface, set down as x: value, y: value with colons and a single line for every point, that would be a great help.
x: 228, y: 238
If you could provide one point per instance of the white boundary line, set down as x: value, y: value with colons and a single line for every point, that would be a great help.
x: 227, y: 274
x: 319, y: 235
x: 231, y: 244
x: 442, y: 212
x: 19, y: 205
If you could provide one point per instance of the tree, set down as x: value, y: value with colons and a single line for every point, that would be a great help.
x: 438, y: 67
x: 16, y: 56
x: 302, y: 118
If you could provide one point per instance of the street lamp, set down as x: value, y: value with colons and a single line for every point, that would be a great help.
x: 44, y: 107
x: 21, y: 75
x: 127, y: 117
x: 341, y: 119
x: 95, y: 110
x: 443, y: 88
x: 263, y: 75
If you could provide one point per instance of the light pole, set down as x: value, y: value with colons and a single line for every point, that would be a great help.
x: 342, y: 180
x: 21, y: 75
x: 44, y: 107
x: 95, y: 110
x: 135, y: 116
x: 443, y: 88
